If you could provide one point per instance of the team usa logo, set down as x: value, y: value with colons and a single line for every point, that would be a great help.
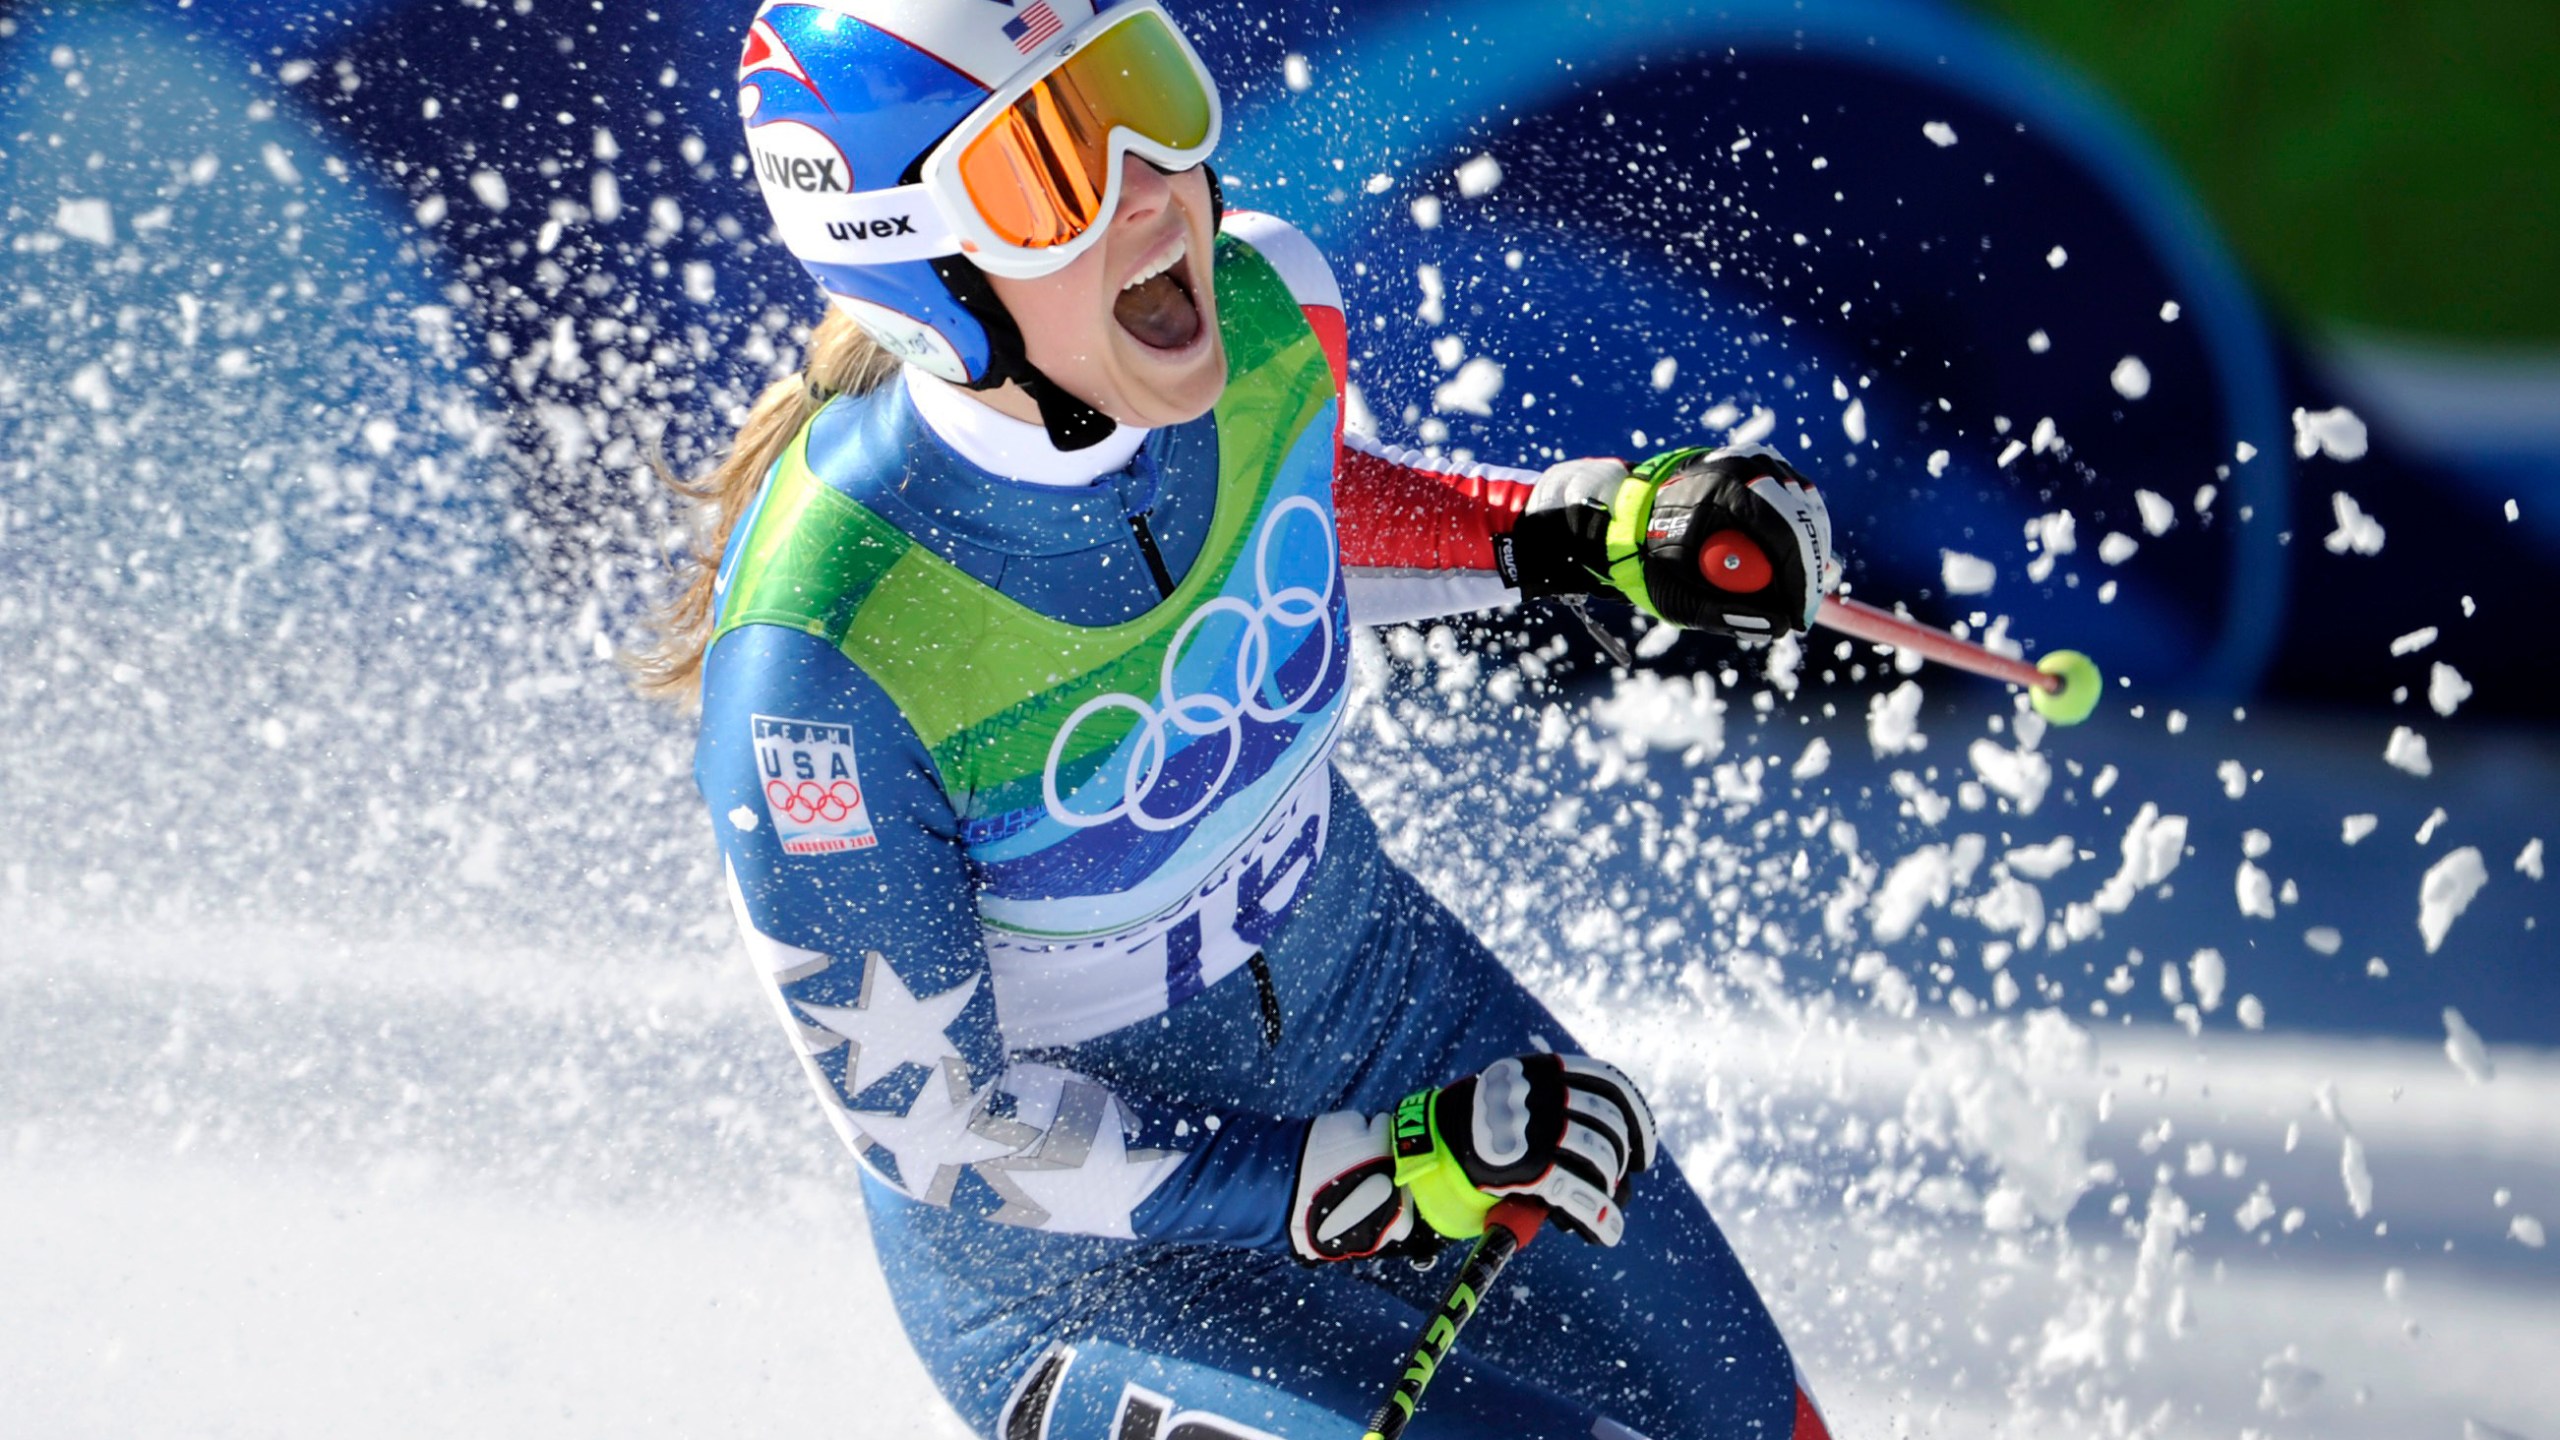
x: 812, y: 787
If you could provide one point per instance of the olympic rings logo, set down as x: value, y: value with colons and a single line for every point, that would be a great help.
x: 1205, y: 713
x: 810, y: 802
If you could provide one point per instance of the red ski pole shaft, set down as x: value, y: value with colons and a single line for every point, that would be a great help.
x: 1510, y: 1226
x: 1858, y: 619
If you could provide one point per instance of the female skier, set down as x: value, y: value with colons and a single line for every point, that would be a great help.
x: 1022, y: 639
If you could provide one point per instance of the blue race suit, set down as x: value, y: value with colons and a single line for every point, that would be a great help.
x: 1072, y: 979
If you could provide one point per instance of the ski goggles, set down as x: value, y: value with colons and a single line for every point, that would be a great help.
x: 1029, y: 181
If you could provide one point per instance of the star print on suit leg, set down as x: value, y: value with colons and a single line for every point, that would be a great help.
x: 889, y: 1027
x: 941, y: 1132
x: 1083, y: 1179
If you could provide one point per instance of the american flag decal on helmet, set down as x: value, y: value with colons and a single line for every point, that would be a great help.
x: 1033, y: 27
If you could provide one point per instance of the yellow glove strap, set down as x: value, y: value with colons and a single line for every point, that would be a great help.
x: 1446, y: 1200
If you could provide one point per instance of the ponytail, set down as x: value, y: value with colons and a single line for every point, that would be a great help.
x: 843, y: 360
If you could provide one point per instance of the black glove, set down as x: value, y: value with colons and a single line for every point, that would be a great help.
x: 1731, y: 540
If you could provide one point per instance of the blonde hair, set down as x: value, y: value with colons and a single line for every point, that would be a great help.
x: 843, y: 360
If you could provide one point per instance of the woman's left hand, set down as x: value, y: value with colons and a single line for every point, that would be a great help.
x: 1732, y: 540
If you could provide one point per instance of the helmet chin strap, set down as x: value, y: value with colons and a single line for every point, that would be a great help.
x: 1072, y: 424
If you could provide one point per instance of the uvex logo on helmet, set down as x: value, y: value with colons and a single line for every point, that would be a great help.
x: 798, y: 159
x: 814, y: 175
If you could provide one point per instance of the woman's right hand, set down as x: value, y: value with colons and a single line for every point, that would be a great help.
x: 1564, y: 1130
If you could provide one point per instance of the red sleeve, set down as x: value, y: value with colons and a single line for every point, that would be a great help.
x: 1397, y: 510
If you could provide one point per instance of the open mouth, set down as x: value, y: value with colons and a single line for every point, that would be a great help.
x: 1156, y: 306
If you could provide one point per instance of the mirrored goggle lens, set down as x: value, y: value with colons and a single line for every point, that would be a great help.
x: 1038, y: 173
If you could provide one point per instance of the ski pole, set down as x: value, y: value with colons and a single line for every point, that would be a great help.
x: 2063, y: 687
x: 1509, y: 1226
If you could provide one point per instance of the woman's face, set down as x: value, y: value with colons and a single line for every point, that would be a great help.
x: 1131, y: 327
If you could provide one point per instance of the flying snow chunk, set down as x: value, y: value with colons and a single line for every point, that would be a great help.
x: 1478, y: 176
x: 2009, y: 452
x: 1295, y: 74
x: 743, y: 818
x: 1378, y: 184
x: 1918, y: 882
x: 280, y: 164
x: 2117, y: 547
x: 2057, y: 257
x: 2042, y: 862
x: 2526, y: 1231
x: 489, y: 188
x: 90, y: 220
x: 2407, y: 750
x: 2357, y: 827
x: 2446, y: 689
x: 2039, y: 342
x: 1938, y: 463
x: 2157, y: 513
x: 2356, y: 530
x: 1426, y: 212
x: 2131, y: 378
x: 1940, y: 133
x: 2529, y: 859
x: 1893, y: 720
x: 1666, y: 370
x: 2463, y: 1046
x: 2415, y: 641
x: 2447, y: 891
x: 1815, y: 760
x: 1470, y: 390
x: 2153, y: 845
x: 2022, y: 775
x: 2257, y: 894
x: 2337, y: 433
x: 1674, y: 713
x: 1853, y: 422
x: 91, y: 388
x: 1966, y: 574
x: 1435, y: 295
x: 2208, y: 974
x: 2357, y: 1175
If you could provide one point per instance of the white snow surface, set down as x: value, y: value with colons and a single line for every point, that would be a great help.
x: 219, y: 1252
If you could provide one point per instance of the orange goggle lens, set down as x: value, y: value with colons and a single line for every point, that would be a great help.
x: 1038, y: 173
